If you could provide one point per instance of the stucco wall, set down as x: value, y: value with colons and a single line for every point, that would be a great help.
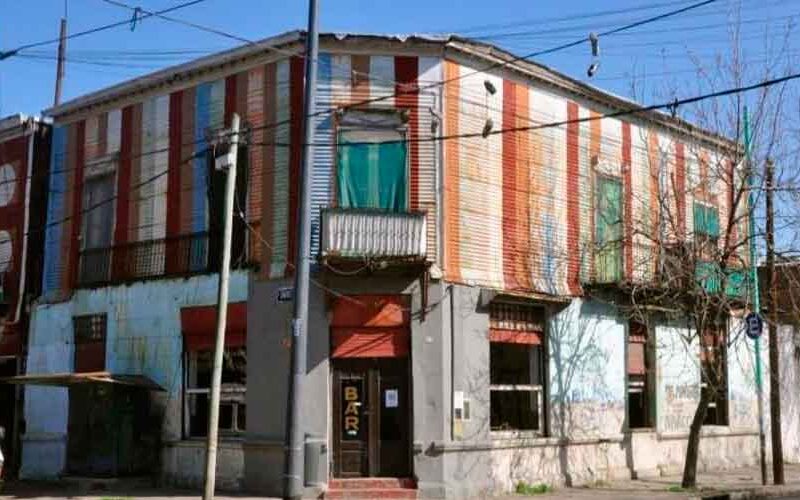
x: 143, y: 338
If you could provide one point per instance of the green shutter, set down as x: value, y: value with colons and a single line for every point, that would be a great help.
x: 706, y: 220
x: 608, y: 230
x: 372, y: 175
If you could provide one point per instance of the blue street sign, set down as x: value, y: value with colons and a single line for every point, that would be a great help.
x: 754, y: 325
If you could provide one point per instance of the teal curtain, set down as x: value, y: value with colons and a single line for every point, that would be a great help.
x: 608, y: 230
x: 371, y: 175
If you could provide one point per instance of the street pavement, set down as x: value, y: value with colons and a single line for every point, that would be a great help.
x: 739, y: 483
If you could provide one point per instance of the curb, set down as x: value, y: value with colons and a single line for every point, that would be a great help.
x: 752, y: 493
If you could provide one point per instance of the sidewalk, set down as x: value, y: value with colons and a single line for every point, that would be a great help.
x: 740, y: 483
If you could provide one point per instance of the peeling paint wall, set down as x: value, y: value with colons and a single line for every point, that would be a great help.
x: 143, y: 338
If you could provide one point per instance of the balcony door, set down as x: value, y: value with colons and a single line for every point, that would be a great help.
x: 98, y: 226
x: 372, y: 170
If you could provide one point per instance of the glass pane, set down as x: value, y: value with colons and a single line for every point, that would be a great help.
x: 226, y: 416
x: 514, y: 364
x: 241, y: 418
x: 514, y: 410
x: 354, y: 421
x: 198, y: 415
x: 234, y: 368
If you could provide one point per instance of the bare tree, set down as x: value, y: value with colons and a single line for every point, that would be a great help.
x: 686, y: 258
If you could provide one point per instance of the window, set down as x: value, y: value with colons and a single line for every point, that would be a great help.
x: 706, y: 234
x: 90, y: 343
x: 641, y: 376
x: 98, y: 224
x: 517, y: 368
x: 714, y: 380
x: 232, y: 409
x: 608, y: 230
x: 371, y: 162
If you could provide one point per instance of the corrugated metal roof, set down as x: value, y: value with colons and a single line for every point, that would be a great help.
x: 292, y: 41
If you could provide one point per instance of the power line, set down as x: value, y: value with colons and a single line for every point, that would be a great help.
x: 12, y: 52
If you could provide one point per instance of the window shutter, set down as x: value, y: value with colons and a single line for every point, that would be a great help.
x: 516, y: 324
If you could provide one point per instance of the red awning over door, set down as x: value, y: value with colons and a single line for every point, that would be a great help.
x: 198, y: 325
x: 371, y: 326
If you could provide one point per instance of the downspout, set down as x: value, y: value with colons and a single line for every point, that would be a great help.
x: 452, y: 364
x: 24, y: 258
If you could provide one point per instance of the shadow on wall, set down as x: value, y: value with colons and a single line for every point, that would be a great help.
x: 584, y: 389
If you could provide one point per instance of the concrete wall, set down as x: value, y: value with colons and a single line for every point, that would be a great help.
x: 588, y: 439
x: 143, y: 338
x: 268, y: 341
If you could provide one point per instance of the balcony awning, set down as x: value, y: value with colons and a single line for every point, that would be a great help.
x: 71, y: 379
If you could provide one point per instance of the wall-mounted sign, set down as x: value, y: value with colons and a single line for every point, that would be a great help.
x: 391, y: 399
x: 353, y: 409
x: 754, y: 325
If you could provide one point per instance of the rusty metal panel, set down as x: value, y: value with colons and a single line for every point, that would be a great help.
x: 364, y: 233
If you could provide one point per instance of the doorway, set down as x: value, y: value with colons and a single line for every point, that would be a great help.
x: 371, y: 419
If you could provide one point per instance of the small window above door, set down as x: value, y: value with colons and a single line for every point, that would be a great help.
x: 371, y: 158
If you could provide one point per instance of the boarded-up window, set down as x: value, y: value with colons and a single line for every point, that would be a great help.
x: 90, y: 343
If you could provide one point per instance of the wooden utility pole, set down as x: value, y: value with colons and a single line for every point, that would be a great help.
x: 223, y: 162
x: 774, y: 363
x: 62, y: 48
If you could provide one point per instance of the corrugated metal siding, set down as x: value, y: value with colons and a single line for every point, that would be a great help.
x: 346, y: 79
x: 53, y: 262
x: 555, y: 169
x: 370, y: 234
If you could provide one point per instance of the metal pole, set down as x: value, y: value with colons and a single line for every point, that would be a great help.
x: 756, y: 298
x: 295, y: 456
x: 62, y: 48
x: 774, y: 370
x: 222, y: 316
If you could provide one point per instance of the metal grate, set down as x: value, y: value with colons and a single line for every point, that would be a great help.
x: 89, y: 328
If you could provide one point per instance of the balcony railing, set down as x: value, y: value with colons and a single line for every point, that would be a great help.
x: 668, y: 266
x: 174, y: 256
x: 359, y: 233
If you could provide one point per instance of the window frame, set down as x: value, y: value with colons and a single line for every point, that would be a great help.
x: 648, y: 386
x: 600, y: 177
x: 723, y: 418
x: 538, y: 391
x: 383, y: 115
x: 190, y: 390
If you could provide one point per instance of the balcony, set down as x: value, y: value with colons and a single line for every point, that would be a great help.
x: 168, y: 257
x: 365, y: 234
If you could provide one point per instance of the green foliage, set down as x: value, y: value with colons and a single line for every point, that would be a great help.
x: 524, y: 488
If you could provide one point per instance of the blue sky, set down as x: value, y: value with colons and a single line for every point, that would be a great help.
x: 657, y: 53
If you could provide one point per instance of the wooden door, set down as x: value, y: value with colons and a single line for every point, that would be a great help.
x: 372, y: 411
x: 351, y: 420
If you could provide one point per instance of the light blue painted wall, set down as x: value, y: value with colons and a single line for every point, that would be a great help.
x: 143, y: 338
x: 587, y: 370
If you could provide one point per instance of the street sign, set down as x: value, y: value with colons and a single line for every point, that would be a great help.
x: 754, y: 325
x: 285, y: 294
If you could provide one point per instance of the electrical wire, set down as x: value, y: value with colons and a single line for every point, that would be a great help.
x: 12, y: 52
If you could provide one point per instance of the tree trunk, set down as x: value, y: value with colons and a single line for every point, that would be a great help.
x: 693, y: 445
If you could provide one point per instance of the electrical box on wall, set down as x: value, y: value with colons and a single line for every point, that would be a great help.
x: 461, y: 412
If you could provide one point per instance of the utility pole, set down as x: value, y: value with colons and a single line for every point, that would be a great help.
x: 62, y: 48
x: 762, y: 440
x: 295, y: 438
x: 774, y: 368
x: 226, y: 161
